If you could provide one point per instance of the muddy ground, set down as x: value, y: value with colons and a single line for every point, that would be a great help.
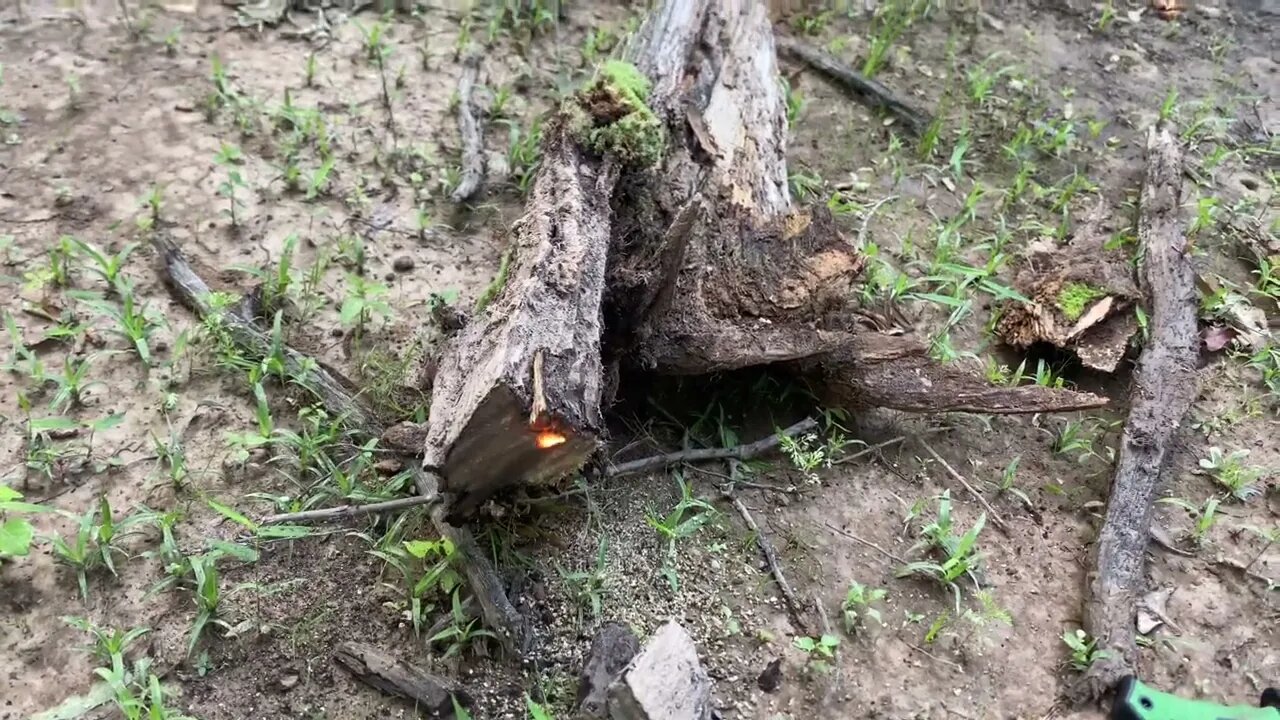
x: 96, y: 112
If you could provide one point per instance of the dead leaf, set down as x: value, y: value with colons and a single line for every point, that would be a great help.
x: 1217, y: 337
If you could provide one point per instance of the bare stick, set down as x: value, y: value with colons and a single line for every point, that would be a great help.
x: 740, y: 452
x: 868, y: 543
x: 826, y: 629
x: 882, y: 445
x: 312, y: 376
x: 863, y: 89
x: 469, y: 128
x: 991, y: 512
x: 930, y: 655
x: 1164, y: 387
x: 348, y: 511
x: 771, y: 557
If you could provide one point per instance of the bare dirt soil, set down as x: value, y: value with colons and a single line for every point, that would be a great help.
x: 227, y: 129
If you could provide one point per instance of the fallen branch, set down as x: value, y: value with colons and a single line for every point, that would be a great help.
x: 771, y: 557
x: 863, y: 89
x: 1164, y: 388
x: 348, y: 511
x: 306, y: 372
x: 991, y: 512
x: 740, y: 452
x: 500, y: 616
x: 469, y: 128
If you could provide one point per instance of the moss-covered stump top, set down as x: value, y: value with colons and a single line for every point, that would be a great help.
x: 611, y: 116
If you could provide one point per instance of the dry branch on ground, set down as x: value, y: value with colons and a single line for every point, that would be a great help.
x: 1165, y: 385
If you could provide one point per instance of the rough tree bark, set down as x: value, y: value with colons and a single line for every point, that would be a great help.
x: 517, y: 393
x: 469, y: 129
x: 712, y: 268
x: 1164, y: 388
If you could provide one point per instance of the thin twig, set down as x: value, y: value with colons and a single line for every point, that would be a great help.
x: 740, y: 452
x: 868, y: 543
x: 347, y: 511
x: 826, y: 629
x: 930, y: 655
x: 891, y: 441
x: 991, y: 511
x: 771, y: 557
x: 747, y: 483
x: 866, y: 221
x: 1159, y: 537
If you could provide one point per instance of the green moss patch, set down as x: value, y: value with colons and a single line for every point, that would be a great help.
x: 617, y: 119
x: 1075, y: 298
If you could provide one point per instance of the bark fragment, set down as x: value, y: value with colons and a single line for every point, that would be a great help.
x: 430, y: 693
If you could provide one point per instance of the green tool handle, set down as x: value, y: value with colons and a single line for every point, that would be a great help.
x: 1136, y: 701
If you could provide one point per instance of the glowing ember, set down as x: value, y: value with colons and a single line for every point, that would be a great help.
x: 550, y: 439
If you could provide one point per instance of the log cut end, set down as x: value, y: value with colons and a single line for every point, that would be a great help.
x: 499, y: 444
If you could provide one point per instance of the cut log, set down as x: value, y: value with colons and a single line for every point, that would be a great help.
x: 1165, y: 386
x: 517, y: 392
x: 430, y: 693
x: 706, y: 266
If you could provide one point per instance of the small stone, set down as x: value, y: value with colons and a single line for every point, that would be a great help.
x: 389, y: 277
x: 388, y: 466
x: 771, y: 679
x: 665, y: 681
x: 404, y: 263
x: 287, y: 681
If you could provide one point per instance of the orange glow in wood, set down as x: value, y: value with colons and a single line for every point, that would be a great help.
x: 549, y: 439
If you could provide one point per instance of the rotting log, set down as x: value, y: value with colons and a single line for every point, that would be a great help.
x: 1082, y: 296
x: 712, y: 267
x: 1165, y: 386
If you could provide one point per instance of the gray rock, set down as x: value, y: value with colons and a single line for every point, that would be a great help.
x: 664, y: 682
